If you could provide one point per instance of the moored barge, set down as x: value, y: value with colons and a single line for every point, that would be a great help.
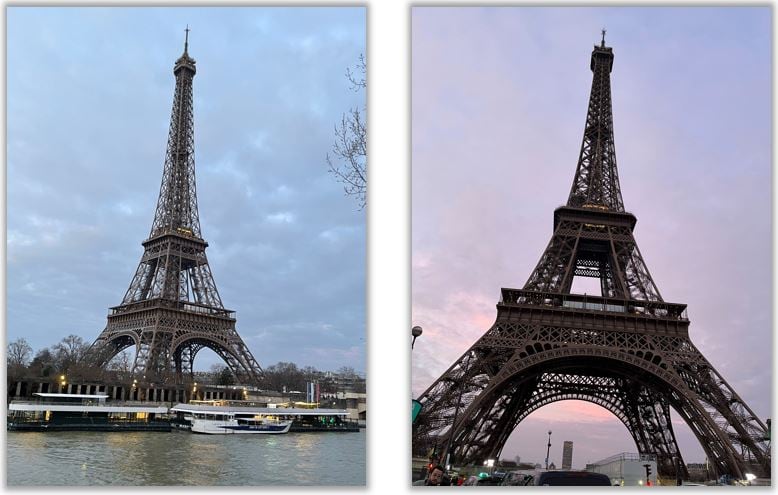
x: 84, y: 412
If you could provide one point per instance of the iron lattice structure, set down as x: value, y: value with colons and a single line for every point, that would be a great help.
x: 172, y: 308
x: 627, y: 350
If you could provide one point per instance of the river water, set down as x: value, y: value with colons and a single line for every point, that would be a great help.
x: 182, y: 458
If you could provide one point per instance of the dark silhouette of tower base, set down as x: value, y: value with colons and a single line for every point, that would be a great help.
x: 172, y: 309
x: 627, y: 350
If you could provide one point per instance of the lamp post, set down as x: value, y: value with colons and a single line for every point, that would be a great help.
x: 548, y: 450
x: 415, y: 405
x: 415, y: 331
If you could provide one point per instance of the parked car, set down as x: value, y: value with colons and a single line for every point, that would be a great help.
x: 493, y: 480
x: 571, y: 478
x: 517, y: 478
x: 489, y: 481
x: 471, y: 481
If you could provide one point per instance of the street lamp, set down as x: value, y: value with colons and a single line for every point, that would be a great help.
x: 415, y: 331
x: 548, y: 450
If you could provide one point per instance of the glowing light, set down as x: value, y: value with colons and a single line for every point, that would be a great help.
x: 750, y: 477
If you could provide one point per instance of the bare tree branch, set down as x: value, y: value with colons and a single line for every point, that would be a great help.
x: 19, y: 353
x: 349, y: 152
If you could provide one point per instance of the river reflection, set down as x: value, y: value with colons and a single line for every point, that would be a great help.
x: 181, y: 458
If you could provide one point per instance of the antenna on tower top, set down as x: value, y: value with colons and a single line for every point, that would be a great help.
x: 186, y: 41
x: 603, y: 38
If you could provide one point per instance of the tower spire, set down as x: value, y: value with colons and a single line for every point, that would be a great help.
x: 596, y: 183
x: 186, y: 40
x: 177, y: 203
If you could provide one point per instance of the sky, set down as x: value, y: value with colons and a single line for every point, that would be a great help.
x: 499, y: 100
x: 89, y: 95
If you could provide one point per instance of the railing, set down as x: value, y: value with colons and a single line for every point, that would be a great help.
x: 657, y: 309
x: 90, y: 403
x: 75, y: 420
x: 321, y: 426
x: 626, y: 456
x: 178, y: 305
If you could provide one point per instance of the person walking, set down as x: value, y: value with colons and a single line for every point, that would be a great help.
x: 434, y: 477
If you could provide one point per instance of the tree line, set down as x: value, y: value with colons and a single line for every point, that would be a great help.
x: 66, y: 358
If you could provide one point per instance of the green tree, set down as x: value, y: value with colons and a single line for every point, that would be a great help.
x: 225, y: 377
x: 43, y: 364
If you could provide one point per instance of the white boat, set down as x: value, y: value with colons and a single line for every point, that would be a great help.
x: 228, y: 424
x: 241, y: 417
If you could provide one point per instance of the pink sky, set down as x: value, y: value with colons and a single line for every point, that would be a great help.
x: 499, y: 98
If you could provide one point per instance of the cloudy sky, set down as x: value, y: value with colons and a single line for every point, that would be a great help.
x: 89, y: 98
x: 499, y: 98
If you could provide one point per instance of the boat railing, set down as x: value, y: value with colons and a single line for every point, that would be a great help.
x: 87, y: 420
x: 90, y: 403
x: 342, y: 425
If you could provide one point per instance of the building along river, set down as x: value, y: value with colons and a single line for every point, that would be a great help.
x: 183, y: 458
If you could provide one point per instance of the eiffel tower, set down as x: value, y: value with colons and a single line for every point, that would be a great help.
x: 627, y: 350
x: 172, y: 309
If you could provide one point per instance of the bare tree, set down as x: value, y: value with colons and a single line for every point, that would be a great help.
x: 349, y: 152
x: 19, y: 353
x: 121, y: 364
x: 347, y: 372
x: 69, y: 351
x: 284, y: 375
